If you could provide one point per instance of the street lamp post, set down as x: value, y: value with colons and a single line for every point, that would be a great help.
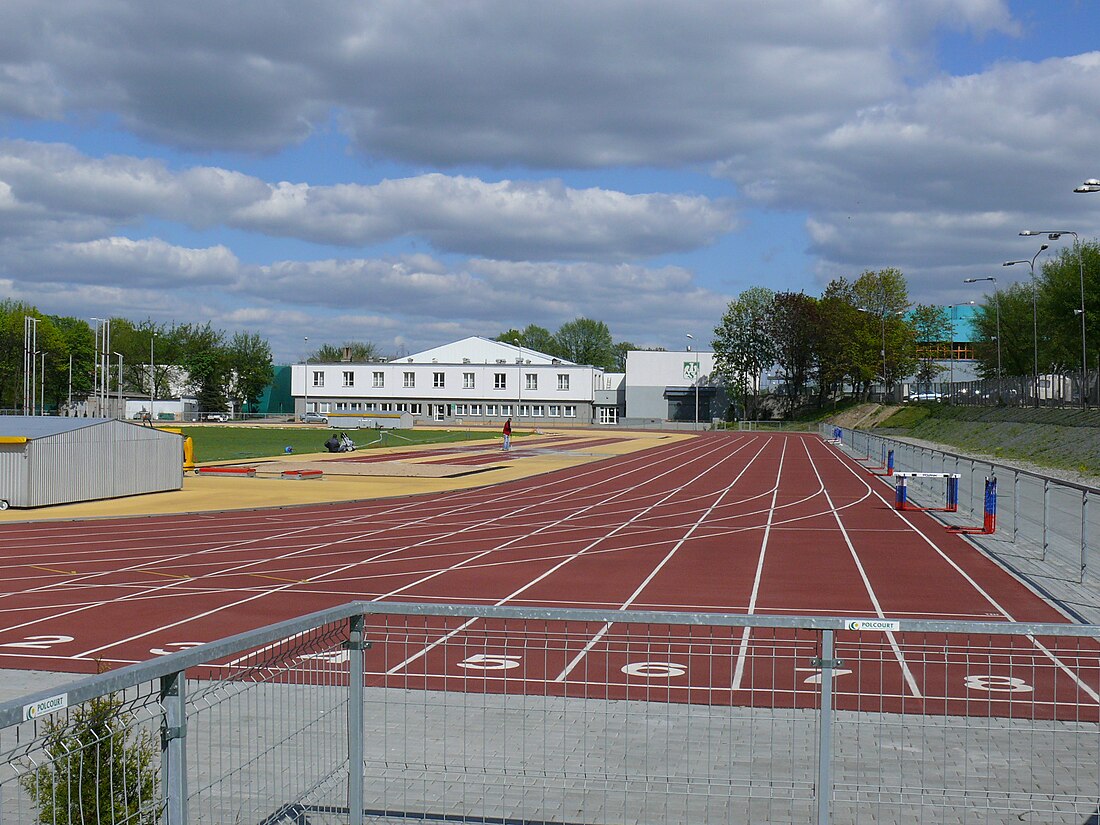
x: 120, y: 411
x: 152, y: 375
x: 305, y: 377
x: 696, y: 381
x: 997, y: 304
x: 1034, y: 320
x: 1090, y: 185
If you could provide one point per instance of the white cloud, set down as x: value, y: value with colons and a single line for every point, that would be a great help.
x: 455, y: 214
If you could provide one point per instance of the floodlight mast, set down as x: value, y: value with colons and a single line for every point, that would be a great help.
x: 1034, y: 318
x: 1091, y: 185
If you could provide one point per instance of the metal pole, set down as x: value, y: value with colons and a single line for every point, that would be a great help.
x: 356, y: 645
x: 42, y: 391
x: 1084, y: 357
x: 152, y: 376
x: 825, y: 730
x: 305, y: 377
x: 997, y: 303
x: 70, y: 402
x: 1084, y: 532
x: 174, y: 748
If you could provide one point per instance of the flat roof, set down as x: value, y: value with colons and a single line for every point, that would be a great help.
x: 41, y: 426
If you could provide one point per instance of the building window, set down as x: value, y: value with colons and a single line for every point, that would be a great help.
x: 438, y: 380
x: 370, y: 406
x: 349, y: 378
x: 467, y: 380
x: 387, y: 406
x: 506, y: 410
x: 532, y: 381
x: 475, y: 409
x: 410, y: 379
x: 554, y: 411
x: 524, y: 411
x: 462, y: 409
x: 563, y: 381
x: 609, y: 415
x: 570, y: 411
x: 491, y: 409
x: 500, y: 381
x: 379, y: 379
x: 318, y: 378
x: 415, y: 409
x: 536, y: 410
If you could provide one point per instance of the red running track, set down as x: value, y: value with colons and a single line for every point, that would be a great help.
x: 774, y: 524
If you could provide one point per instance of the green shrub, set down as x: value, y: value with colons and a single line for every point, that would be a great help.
x: 98, y: 768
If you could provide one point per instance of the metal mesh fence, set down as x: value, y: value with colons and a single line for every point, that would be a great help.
x: 516, y: 715
x: 1053, y: 524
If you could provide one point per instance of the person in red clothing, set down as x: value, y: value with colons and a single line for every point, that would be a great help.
x: 507, y: 435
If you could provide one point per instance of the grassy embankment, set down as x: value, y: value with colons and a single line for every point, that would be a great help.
x: 232, y: 443
x: 1067, y: 439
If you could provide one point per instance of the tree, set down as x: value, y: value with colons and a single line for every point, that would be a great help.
x: 884, y: 295
x: 202, y: 352
x: 792, y: 327
x: 250, y: 363
x: 99, y: 770
x: 584, y: 341
x: 742, y: 347
x: 1060, y: 301
x: 621, y: 349
x: 359, y: 352
x: 932, y: 326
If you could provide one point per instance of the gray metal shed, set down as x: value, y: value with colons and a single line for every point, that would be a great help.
x: 45, y: 460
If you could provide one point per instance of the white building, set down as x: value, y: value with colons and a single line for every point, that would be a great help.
x: 672, y: 386
x: 472, y: 380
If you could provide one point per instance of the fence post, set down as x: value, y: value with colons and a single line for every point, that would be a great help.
x: 173, y: 746
x: 1015, y: 506
x: 355, y: 645
x: 1084, y: 533
x: 825, y: 729
x: 1046, y: 509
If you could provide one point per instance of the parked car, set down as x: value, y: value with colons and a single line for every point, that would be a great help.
x: 314, y: 418
x: 215, y: 417
x: 925, y: 396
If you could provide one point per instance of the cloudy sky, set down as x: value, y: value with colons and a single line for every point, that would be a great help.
x: 409, y: 172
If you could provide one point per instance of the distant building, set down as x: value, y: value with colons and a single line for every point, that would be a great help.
x: 474, y: 380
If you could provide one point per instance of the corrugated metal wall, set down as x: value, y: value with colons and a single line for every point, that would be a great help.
x: 105, y: 460
x: 13, y: 473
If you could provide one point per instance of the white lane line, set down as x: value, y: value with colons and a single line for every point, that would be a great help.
x: 971, y: 581
x: 236, y: 546
x: 334, y: 572
x: 621, y: 526
x: 910, y: 679
x: 576, y: 660
x: 743, y: 645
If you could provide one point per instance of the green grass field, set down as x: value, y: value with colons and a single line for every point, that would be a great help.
x: 232, y: 443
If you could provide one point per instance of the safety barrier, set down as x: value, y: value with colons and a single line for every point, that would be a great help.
x: 1048, y: 528
x: 459, y: 713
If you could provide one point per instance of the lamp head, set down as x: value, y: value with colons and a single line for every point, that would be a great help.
x: 1054, y: 236
x: 1028, y: 232
x: 1044, y: 246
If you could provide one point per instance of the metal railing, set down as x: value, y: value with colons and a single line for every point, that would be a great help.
x: 496, y: 714
x: 1053, y: 524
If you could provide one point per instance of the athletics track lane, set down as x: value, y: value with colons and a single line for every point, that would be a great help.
x: 764, y: 524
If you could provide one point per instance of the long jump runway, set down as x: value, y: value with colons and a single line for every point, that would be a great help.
x: 765, y: 524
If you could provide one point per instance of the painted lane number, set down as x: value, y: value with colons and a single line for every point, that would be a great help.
x: 654, y: 670
x: 39, y: 642
x: 815, y: 678
x: 997, y: 684
x: 489, y: 661
x: 173, y: 647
